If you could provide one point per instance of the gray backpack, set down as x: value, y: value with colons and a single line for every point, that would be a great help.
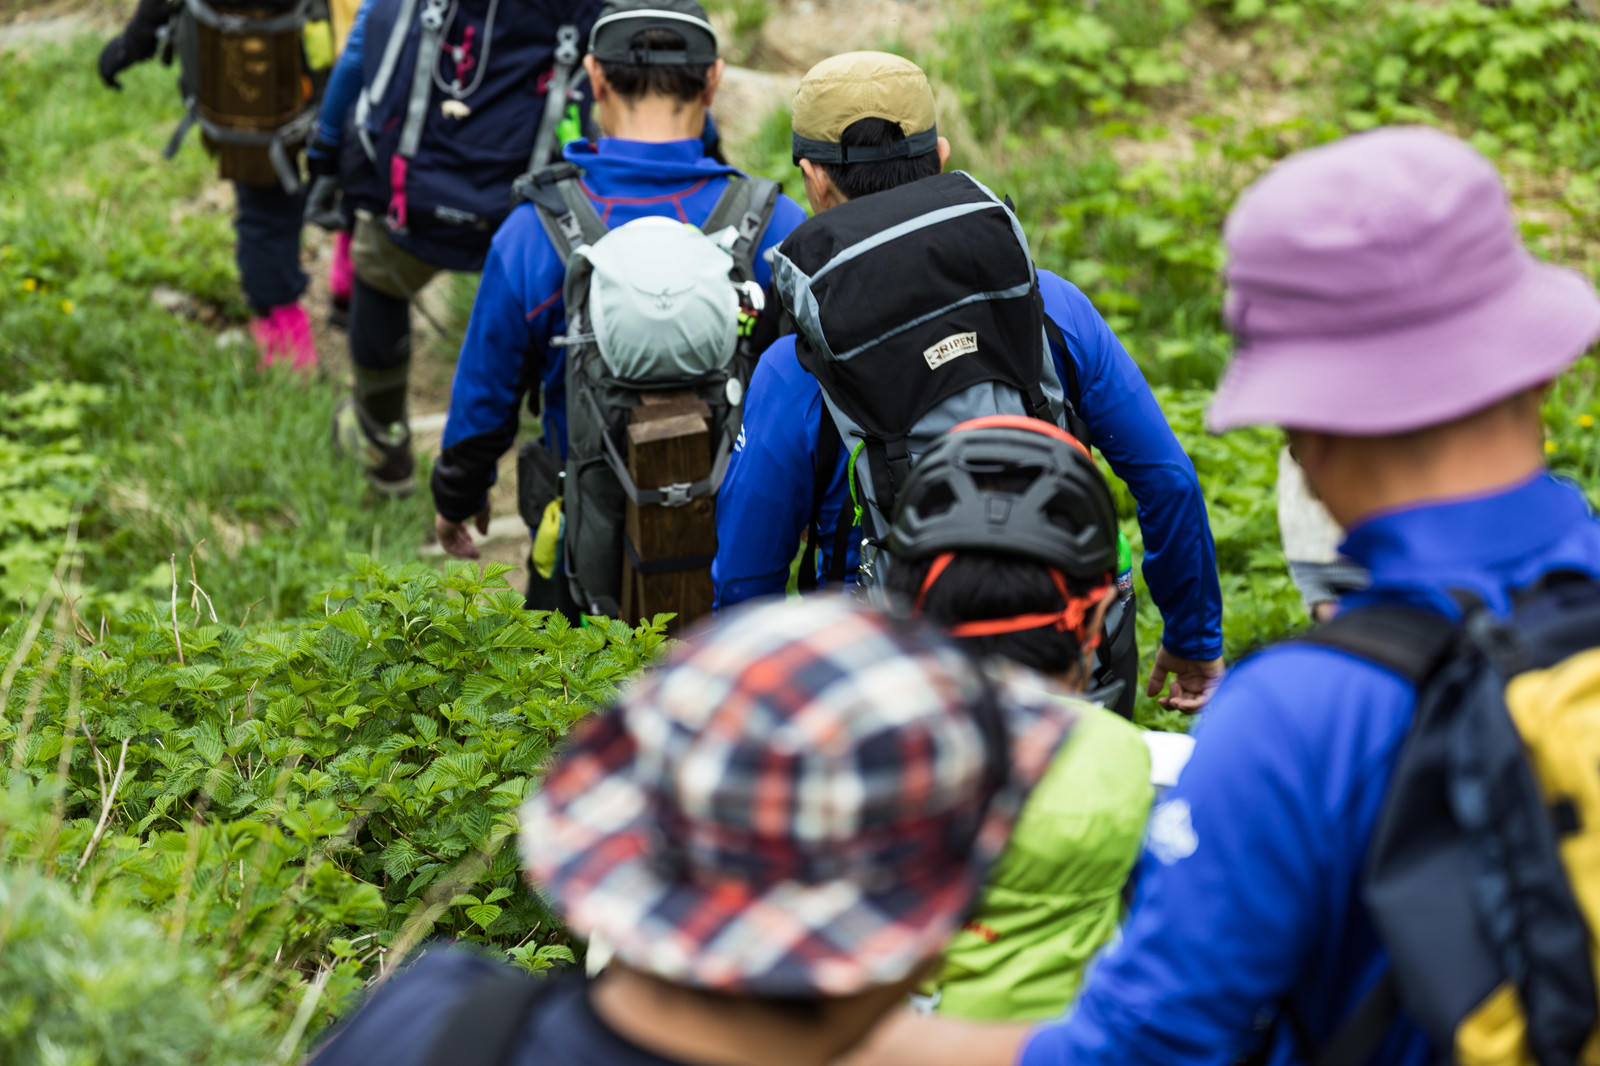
x: 653, y: 306
x: 916, y: 310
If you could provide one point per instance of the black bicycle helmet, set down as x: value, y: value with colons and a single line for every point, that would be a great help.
x: 1006, y: 483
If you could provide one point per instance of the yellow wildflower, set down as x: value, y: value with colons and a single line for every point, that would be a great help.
x: 1549, y: 447
x: 30, y: 284
x: 1586, y: 421
x: 67, y: 307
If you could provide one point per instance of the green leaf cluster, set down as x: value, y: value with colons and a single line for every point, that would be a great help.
x: 81, y: 978
x: 47, y: 475
x: 305, y: 801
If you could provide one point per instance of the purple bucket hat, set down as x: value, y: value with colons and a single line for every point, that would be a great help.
x: 1379, y: 285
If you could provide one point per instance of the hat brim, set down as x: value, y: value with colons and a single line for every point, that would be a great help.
x: 1407, y: 379
x: 595, y: 856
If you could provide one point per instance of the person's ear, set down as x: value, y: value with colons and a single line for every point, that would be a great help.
x: 944, y: 153
x: 599, y: 87
x: 713, y: 82
x: 821, y: 192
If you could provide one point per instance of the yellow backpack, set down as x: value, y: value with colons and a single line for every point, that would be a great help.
x: 1483, y: 876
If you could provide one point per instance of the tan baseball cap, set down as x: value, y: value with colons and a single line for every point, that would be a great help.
x: 847, y: 88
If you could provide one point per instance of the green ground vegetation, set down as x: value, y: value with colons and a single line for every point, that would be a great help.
x: 249, y: 753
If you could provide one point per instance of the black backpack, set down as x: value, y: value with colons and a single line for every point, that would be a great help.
x: 1483, y: 874
x: 915, y: 309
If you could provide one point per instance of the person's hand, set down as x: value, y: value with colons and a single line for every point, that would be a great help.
x: 114, y: 59
x: 455, y: 539
x: 1193, y: 681
x: 322, y: 203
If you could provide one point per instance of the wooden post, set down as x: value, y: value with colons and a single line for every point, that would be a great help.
x: 669, y: 442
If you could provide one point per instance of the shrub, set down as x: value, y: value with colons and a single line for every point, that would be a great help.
x: 310, y: 799
x: 81, y: 980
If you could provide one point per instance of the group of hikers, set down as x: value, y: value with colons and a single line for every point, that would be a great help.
x: 904, y: 820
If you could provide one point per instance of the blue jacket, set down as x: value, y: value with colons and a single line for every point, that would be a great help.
x: 765, y: 502
x: 519, y: 308
x: 1249, y: 886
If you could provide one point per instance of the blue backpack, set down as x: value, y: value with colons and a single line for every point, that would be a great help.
x: 441, y: 140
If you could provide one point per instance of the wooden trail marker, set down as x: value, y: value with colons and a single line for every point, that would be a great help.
x: 669, y: 443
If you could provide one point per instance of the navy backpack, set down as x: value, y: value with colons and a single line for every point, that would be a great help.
x: 437, y: 144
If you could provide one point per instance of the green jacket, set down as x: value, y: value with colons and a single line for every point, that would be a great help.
x: 1055, y: 896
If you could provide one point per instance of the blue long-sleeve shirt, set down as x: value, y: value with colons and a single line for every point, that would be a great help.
x: 766, y: 499
x: 1249, y: 888
x: 344, y: 84
x: 519, y: 306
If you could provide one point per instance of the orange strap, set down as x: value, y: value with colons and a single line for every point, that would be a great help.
x: 1069, y: 619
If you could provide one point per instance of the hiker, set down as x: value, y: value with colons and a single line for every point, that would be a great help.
x: 776, y: 832
x: 1311, y: 545
x: 1388, y: 317
x: 1006, y: 537
x: 864, y: 124
x: 255, y: 120
x: 654, y: 70
x: 426, y: 165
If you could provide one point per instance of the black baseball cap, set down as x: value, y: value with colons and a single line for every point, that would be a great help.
x: 621, y: 20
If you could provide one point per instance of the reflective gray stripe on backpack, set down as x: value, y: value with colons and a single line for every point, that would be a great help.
x: 555, y: 100
x: 433, y: 26
x: 391, y: 52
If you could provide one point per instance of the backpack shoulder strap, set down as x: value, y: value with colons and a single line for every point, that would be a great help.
x: 827, y: 457
x: 1410, y: 641
x: 1070, y: 387
x: 746, y: 204
x: 480, y: 1029
x: 569, y: 218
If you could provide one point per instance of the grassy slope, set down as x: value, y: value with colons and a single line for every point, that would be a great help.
x: 197, y: 451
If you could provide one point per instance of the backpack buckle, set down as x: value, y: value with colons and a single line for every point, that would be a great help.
x: 675, y: 495
x: 567, y: 53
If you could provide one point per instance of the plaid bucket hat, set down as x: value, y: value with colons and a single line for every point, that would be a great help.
x: 802, y: 802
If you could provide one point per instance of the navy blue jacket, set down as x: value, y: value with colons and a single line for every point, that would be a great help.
x: 765, y: 502
x: 1249, y: 887
x: 519, y: 307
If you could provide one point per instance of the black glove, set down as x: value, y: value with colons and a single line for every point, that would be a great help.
x: 322, y: 202
x: 114, y: 59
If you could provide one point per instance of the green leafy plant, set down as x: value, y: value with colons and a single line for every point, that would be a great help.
x: 308, y: 800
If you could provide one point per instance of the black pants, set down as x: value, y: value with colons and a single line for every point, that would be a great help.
x: 267, y: 223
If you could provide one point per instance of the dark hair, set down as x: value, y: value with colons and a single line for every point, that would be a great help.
x: 980, y: 586
x: 686, y: 84
x: 863, y: 179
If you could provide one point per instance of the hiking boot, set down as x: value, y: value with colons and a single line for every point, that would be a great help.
x: 284, y: 336
x: 384, y: 453
x: 341, y: 279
